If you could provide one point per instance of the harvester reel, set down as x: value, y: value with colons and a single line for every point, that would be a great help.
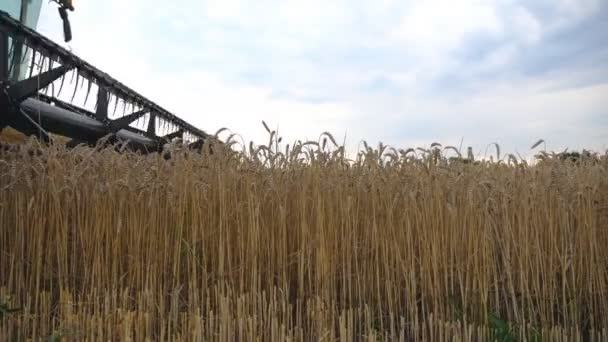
x: 46, y: 96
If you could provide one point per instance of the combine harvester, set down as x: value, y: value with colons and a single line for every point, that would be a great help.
x: 45, y: 90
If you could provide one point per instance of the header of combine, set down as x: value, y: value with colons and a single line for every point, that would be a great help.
x: 46, y: 89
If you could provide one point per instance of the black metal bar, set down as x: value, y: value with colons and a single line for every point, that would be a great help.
x: 101, y: 113
x: 118, y: 124
x: 152, y: 125
x: 4, y: 56
x: 21, y: 90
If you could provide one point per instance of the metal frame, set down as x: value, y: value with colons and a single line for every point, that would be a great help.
x: 27, y: 106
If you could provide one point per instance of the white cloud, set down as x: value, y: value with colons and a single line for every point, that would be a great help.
x: 226, y: 9
x: 526, y: 26
x: 436, y: 26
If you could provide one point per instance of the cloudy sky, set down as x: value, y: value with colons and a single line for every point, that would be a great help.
x: 406, y: 73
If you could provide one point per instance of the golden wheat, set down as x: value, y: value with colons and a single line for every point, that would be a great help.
x: 302, y: 245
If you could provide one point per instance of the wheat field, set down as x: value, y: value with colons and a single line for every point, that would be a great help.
x: 299, y: 243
